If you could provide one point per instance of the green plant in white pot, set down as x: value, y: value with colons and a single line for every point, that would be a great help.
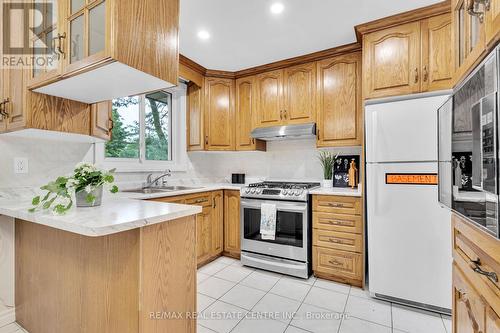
x: 327, y: 159
x: 86, y: 183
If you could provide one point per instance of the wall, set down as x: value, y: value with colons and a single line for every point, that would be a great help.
x: 283, y: 160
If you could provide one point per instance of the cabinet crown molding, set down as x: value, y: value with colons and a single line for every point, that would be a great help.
x: 402, y: 18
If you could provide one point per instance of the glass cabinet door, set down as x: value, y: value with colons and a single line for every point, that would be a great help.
x: 87, y: 29
x: 44, y: 19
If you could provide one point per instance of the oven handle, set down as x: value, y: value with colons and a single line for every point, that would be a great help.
x: 280, y: 205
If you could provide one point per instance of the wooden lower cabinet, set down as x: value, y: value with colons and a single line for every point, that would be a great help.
x: 338, y: 239
x: 209, y: 223
x: 476, y: 297
x: 232, y: 228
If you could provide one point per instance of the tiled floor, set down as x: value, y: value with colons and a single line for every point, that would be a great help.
x: 237, y: 299
x: 233, y: 298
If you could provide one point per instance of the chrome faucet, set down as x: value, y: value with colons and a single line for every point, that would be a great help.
x: 154, y: 182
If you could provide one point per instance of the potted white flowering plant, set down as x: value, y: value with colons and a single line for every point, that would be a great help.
x: 86, y: 182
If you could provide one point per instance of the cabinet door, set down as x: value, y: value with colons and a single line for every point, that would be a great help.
x: 468, y: 38
x: 339, y: 105
x: 47, y: 41
x: 437, y: 62
x: 219, y: 114
x: 203, y: 234
x: 232, y: 222
x: 88, y: 32
x: 468, y: 306
x: 217, y: 223
x: 14, y: 92
x: 269, y: 105
x: 392, y: 61
x: 244, y: 113
x: 493, y: 21
x: 194, y: 117
x: 101, y: 119
x: 300, y: 94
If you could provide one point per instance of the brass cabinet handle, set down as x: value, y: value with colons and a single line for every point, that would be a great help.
x: 213, y: 203
x: 59, y: 49
x: 281, y: 114
x: 334, y: 240
x: 253, y: 141
x: 416, y: 75
x: 339, y: 222
x: 480, y: 15
x: 462, y: 297
x: 476, y: 267
x: 336, y: 205
x: 284, y: 114
x: 425, y: 74
x: 335, y: 262
x: 206, y: 139
x: 111, y: 124
x: 200, y: 201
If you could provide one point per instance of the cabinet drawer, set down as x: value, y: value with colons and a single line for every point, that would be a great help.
x: 337, y: 204
x: 338, y: 240
x: 176, y: 199
x: 200, y: 200
x: 338, y: 222
x: 470, y: 250
x: 339, y: 263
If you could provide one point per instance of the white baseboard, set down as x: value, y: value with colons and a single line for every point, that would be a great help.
x: 7, y: 317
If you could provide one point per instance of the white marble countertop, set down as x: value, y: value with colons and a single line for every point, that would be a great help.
x: 113, y: 216
x: 119, y: 212
x: 344, y: 191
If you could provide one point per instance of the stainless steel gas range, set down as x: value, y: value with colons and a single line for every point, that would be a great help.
x: 290, y: 251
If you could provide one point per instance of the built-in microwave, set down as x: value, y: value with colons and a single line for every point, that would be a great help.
x: 468, y: 151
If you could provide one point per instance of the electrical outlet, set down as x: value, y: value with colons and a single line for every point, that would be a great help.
x: 20, y: 165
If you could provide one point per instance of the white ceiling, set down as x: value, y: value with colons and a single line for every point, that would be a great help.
x: 244, y: 33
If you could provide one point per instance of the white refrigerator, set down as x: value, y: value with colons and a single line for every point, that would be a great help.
x: 409, y: 233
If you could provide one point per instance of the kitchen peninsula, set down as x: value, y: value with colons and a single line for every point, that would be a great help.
x: 111, y: 269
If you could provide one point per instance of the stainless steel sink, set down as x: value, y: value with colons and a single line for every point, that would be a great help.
x: 145, y: 190
x: 178, y: 188
x: 150, y: 190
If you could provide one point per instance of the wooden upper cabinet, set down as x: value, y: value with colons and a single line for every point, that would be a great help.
x: 100, y: 40
x: 219, y: 113
x: 392, y: 61
x: 339, y: 101
x: 244, y: 113
x: 492, y: 18
x: 437, y: 55
x: 268, y: 96
x: 468, y: 38
x: 101, y: 119
x: 194, y: 118
x: 46, y: 33
x: 299, y: 92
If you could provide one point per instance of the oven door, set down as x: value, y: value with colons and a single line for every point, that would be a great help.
x: 291, y: 229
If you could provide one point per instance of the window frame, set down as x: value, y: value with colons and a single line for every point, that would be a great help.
x: 176, y: 142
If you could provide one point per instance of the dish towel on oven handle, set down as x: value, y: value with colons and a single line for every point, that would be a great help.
x: 268, y: 221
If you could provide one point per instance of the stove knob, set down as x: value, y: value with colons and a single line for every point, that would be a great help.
x: 258, y: 191
x: 252, y: 190
x: 285, y: 192
x: 298, y: 192
x: 247, y: 190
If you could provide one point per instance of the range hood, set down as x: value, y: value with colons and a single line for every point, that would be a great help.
x: 287, y: 132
